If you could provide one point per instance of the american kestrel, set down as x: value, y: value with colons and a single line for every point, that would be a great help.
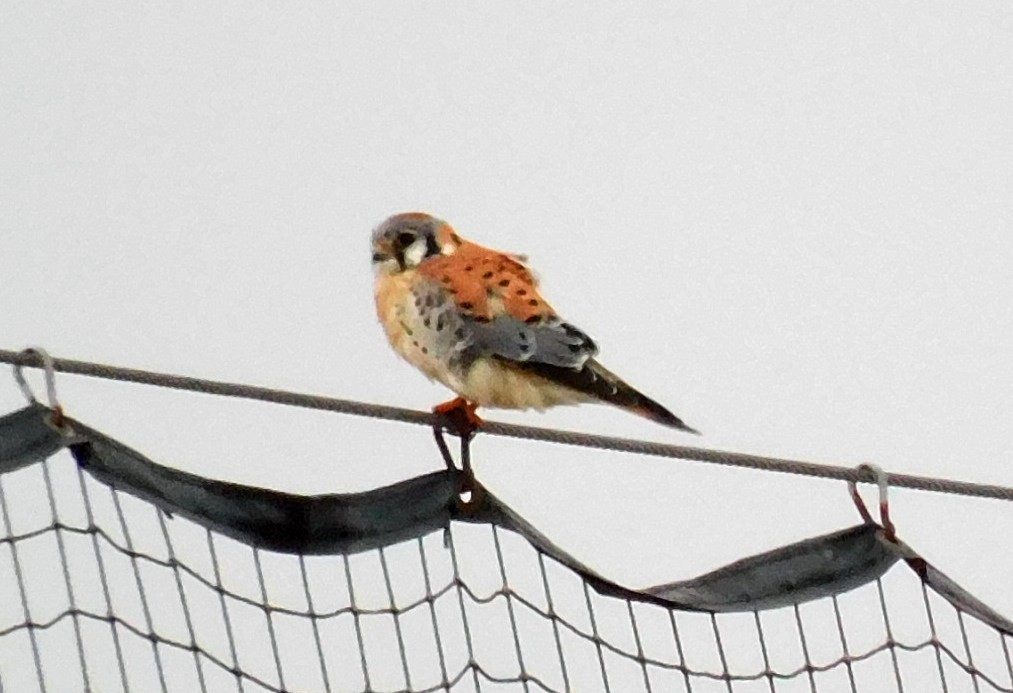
x: 472, y: 318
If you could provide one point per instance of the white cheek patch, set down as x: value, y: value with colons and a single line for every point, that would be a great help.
x: 415, y: 253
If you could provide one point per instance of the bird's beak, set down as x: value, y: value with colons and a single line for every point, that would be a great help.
x: 382, y: 251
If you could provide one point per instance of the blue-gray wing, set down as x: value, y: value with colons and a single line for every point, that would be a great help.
x: 563, y: 354
x: 549, y: 341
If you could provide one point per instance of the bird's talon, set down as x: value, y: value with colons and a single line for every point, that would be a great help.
x: 460, y: 416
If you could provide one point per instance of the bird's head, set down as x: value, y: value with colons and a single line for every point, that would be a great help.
x: 403, y: 241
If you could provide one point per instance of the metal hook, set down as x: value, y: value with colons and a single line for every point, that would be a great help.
x: 469, y: 493
x: 468, y: 497
x: 441, y: 443
x: 23, y: 384
x: 50, y: 369
x: 882, y: 482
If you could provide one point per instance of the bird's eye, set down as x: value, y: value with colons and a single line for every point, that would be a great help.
x: 405, y: 239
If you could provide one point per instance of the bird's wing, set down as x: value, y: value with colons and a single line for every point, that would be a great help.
x: 498, y: 299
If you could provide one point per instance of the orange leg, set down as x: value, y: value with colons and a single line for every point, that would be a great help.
x: 460, y: 413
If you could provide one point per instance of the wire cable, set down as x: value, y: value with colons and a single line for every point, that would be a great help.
x: 545, y: 435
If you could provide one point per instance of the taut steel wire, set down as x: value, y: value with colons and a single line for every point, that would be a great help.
x: 547, y: 435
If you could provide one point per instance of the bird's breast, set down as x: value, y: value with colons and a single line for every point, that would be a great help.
x: 422, y: 325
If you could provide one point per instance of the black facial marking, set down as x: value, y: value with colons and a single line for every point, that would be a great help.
x: 432, y: 248
x: 405, y: 239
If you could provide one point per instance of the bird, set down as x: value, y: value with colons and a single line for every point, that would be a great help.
x: 472, y: 318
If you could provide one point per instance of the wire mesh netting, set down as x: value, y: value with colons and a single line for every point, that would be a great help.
x: 104, y: 590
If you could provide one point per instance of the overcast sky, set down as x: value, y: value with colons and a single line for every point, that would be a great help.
x: 789, y: 222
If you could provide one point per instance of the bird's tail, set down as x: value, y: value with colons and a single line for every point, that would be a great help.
x: 595, y: 382
x: 650, y: 409
x: 621, y: 394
